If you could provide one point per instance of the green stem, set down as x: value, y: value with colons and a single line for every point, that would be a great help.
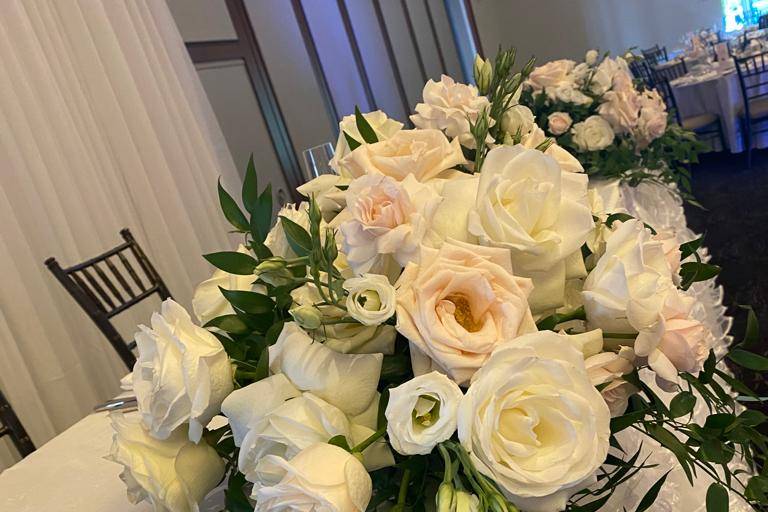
x: 448, y: 472
x: 343, y: 320
x: 243, y: 374
x: 404, y: 487
x: 370, y: 440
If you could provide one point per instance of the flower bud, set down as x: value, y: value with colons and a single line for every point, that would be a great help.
x: 308, y: 317
x: 591, y: 57
x: 274, y: 271
x: 466, y: 502
x: 483, y: 72
x: 497, y: 503
x: 445, y: 497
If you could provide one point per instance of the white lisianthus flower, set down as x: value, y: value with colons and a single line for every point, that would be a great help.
x: 182, y: 373
x: 450, y: 106
x: 518, y: 120
x: 425, y: 154
x: 276, y: 240
x: 383, y: 127
x: 371, y: 299
x: 591, y: 57
x: 529, y: 206
x: 559, y: 122
x: 565, y: 160
x: 347, y: 338
x: 608, y: 368
x: 385, y: 219
x: 329, y: 198
x: 457, y: 304
x: 422, y: 413
x: 551, y: 74
x: 533, y: 422
x: 347, y: 381
x: 208, y: 301
x: 321, y: 477
x: 592, y: 134
x: 174, y: 475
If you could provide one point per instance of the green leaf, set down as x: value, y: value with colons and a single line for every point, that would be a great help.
x: 748, y: 360
x: 341, y: 442
x: 691, y: 247
x: 250, y: 302
x: 297, y: 236
x: 261, y: 218
x: 693, y: 271
x: 229, y: 323
x: 682, y: 404
x: 592, y: 506
x: 715, y: 451
x: 231, y: 211
x: 752, y: 332
x: 719, y: 421
x: 652, y: 494
x: 235, y: 497
x: 262, y: 367
x: 366, y: 132
x: 752, y: 417
x: 381, y: 418
x: 673, y: 444
x: 250, y: 186
x: 351, y: 142
x: 232, y: 262
x: 621, y: 422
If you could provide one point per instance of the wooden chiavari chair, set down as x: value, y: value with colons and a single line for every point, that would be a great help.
x: 11, y: 426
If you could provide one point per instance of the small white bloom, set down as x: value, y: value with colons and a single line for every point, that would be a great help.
x: 518, y: 120
x: 422, y: 413
x: 559, y: 122
x: 329, y: 198
x: 592, y: 134
x: 371, y: 299
x: 182, y: 373
x: 591, y: 57
x: 173, y: 475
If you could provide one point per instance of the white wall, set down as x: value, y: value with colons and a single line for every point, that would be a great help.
x: 552, y: 29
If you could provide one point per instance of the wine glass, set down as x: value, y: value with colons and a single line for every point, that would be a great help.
x: 317, y: 161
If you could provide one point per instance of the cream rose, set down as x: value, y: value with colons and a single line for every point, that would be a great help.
x: 174, y: 475
x: 450, y: 106
x: 607, y: 369
x: 347, y: 338
x: 559, y: 122
x: 329, y: 197
x: 592, y: 134
x: 534, y: 423
x: 565, y: 160
x: 568, y: 93
x: 425, y: 154
x: 551, y: 74
x: 208, y: 301
x: 371, y: 299
x: 320, y: 477
x: 621, y: 108
x: 458, y: 303
x: 518, y: 120
x: 529, y: 206
x: 182, y: 373
x: 276, y: 240
x: 422, y: 413
x: 385, y: 219
x: 383, y: 127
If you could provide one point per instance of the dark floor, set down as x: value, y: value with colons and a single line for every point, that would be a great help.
x: 736, y: 228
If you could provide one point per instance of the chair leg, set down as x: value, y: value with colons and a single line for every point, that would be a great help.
x: 748, y: 141
x: 721, y: 134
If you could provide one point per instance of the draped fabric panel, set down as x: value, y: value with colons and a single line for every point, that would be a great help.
x: 103, y: 125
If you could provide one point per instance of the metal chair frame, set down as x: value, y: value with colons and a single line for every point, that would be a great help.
x: 753, y: 80
x: 709, y: 131
x: 92, y: 288
x: 655, y: 54
x: 11, y: 426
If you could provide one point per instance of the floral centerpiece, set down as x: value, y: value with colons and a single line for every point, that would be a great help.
x: 449, y: 320
x: 616, y: 127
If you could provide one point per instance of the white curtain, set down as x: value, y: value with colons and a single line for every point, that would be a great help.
x: 103, y: 125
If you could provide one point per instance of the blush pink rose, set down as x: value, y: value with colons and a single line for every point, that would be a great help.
x: 559, y: 122
x: 551, y: 74
x: 621, y: 109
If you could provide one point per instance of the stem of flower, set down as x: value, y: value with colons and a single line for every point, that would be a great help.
x: 343, y: 320
x: 370, y: 440
x: 404, y: 487
x: 448, y: 472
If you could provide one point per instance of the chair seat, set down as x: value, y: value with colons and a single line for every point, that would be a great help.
x: 695, y: 122
x: 757, y: 108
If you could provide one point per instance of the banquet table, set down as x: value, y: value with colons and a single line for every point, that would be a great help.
x: 70, y: 474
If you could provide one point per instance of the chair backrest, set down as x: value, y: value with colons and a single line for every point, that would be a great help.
x: 654, y: 54
x: 753, y: 77
x: 642, y: 71
x: 666, y: 93
x: 109, y: 284
x: 11, y: 426
x: 762, y: 21
x: 669, y: 71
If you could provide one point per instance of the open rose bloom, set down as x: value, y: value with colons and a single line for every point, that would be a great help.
x: 460, y: 315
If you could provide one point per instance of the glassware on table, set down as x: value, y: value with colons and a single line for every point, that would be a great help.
x: 317, y: 161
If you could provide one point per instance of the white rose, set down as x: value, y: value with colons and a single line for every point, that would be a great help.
x: 625, y: 291
x: 371, y: 299
x: 383, y: 127
x: 592, y: 134
x: 565, y: 160
x: 621, y: 108
x: 321, y: 477
x: 568, y: 93
x: 457, y: 304
x: 559, y: 122
x: 425, y: 154
x: 591, y: 57
x: 528, y: 205
x: 422, y: 413
x: 385, y: 219
x: 518, y: 120
x: 551, y: 74
x: 347, y: 338
x: 329, y: 198
x: 276, y: 240
x: 534, y: 423
x: 347, y: 381
x: 208, y: 302
x: 182, y: 373
x: 450, y: 106
x: 173, y: 475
